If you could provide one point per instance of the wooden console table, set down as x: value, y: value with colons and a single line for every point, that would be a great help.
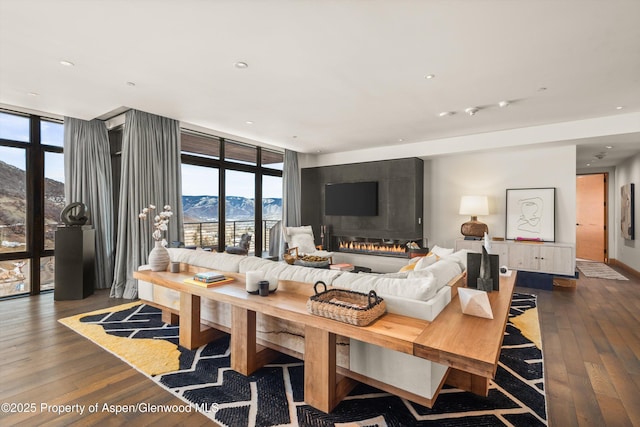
x: 469, y: 345
x: 472, y: 351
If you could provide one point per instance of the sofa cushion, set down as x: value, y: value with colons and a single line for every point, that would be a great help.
x: 426, y: 261
x: 443, y: 271
x: 205, y: 259
x: 284, y: 271
x: 460, y: 257
x: 441, y: 252
x: 423, y: 288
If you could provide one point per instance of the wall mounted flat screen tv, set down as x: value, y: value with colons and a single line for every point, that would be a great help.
x: 351, y: 199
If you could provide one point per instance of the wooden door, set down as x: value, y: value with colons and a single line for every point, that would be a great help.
x: 591, y: 214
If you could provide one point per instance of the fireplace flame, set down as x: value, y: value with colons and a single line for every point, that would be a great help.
x: 371, y: 247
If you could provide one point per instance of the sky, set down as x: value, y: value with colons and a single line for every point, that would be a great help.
x: 16, y: 128
x: 196, y: 181
x: 202, y: 181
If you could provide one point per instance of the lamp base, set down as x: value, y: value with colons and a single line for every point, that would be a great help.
x: 474, y: 228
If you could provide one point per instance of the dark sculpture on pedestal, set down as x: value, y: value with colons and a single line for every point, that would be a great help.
x: 74, y: 220
x: 485, y: 281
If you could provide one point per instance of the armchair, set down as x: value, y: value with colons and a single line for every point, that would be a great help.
x: 243, y: 246
x: 301, y: 240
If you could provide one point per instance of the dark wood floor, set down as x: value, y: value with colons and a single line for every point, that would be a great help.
x: 591, y: 345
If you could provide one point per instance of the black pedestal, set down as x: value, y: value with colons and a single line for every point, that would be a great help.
x: 74, y: 265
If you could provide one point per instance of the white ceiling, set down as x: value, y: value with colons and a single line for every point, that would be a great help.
x: 327, y: 76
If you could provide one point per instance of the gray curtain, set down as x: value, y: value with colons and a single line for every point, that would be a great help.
x: 87, y: 171
x: 291, y: 194
x: 291, y: 191
x: 150, y: 174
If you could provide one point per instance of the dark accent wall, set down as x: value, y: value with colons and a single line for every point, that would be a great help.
x: 400, y: 196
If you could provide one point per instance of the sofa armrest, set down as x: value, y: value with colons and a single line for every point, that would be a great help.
x: 425, y: 310
x: 145, y: 289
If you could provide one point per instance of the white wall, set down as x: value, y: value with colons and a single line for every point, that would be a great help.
x: 628, y: 251
x: 565, y: 133
x: 491, y: 173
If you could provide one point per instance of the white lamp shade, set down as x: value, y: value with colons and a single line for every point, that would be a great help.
x: 474, y: 205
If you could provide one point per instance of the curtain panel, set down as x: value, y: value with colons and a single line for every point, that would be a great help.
x: 87, y: 170
x: 291, y: 197
x: 291, y: 190
x: 150, y: 174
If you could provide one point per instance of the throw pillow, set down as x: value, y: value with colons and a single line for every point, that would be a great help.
x: 441, y: 251
x: 408, y: 267
x: 304, y: 243
x: 426, y: 261
x: 305, y: 229
x: 460, y: 257
x: 443, y: 271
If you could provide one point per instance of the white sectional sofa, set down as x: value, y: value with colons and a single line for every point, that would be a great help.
x: 421, y: 294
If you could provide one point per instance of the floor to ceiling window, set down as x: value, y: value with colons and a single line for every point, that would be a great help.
x: 200, y: 206
x: 271, y: 208
x: 240, y: 207
x: 221, y: 181
x: 32, y: 197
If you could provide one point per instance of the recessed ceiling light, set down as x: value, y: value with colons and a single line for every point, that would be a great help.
x: 620, y: 107
x: 67, y: 63
x: 249, y: 122
x: 503, y: 104
x: 588, y: 164
x: 33, y: 94
x: 609, y: 147
x: 400, y: 140
x: 430, y: 76
x: 446, y: 113
x: 241, y: 64
x: 471, y: 111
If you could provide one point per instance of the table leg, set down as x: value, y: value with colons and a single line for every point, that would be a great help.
x: 322, y: 390
x: 170, y: 318
x: 246, y: 356
x: 468, y: 382
x: 191, y: 336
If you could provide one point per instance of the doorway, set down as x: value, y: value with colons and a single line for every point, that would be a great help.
x: 591, y: 217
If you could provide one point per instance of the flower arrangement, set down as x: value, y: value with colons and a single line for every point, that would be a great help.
x: 160, y: 221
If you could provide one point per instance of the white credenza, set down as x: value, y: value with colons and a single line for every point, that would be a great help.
x: 552, y: 258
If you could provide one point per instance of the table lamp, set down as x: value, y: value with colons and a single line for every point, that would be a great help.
x: 474, y: 206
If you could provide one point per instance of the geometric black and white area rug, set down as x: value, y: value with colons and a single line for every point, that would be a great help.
x: 274, y: 395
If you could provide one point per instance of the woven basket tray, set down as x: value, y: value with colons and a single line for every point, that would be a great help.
x: 314, y: 264
x: 346, y: 306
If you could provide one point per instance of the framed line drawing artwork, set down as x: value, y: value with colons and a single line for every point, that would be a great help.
x: 531, y: 214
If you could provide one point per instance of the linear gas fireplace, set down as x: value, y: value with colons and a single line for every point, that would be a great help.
x: 369, y: 246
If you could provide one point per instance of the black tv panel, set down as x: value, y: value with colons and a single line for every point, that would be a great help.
x: 351, y: 199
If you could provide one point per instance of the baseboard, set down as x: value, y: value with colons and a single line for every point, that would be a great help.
x: 625, y: 267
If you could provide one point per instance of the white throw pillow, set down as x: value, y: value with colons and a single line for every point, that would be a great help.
x: 304, y: 243
x: 305, y: 229
x: 441, y: 252
x: 426, y: 261
x: 460, y: 257
x: 443, y: 271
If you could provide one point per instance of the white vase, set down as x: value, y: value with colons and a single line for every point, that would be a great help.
x: 158, y: 257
